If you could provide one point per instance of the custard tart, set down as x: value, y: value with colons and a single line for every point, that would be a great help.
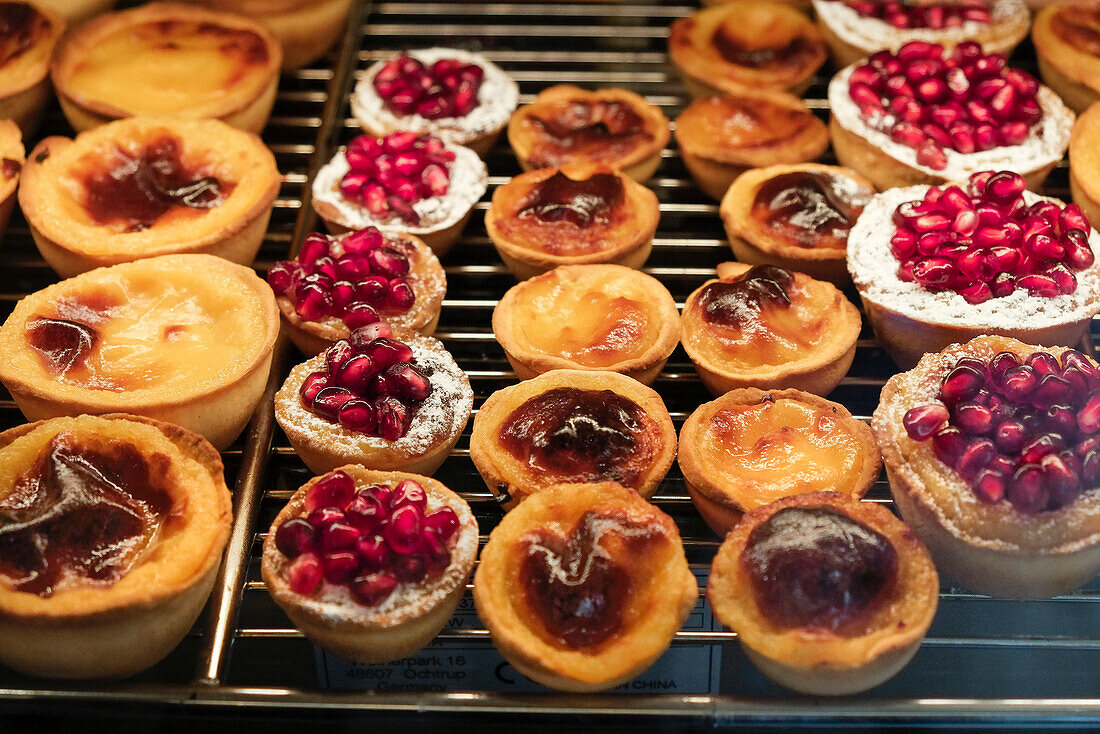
x: 181, y: 338
x: 28, y: 33
x: 797, y: 217
x: 751, y: 447
x: 743, y: 44
x: 583, y: 587
x: 578, y: 214
x: 1067, y: 40
x: 12, y: 160
x: 763, y: 326
x: 146, y: 61
x: 572, y: 426
x: 993, y: 458
x: 612, y: 127
x: 370, y: 565
x: 828, y: 595
x: 590, y: 317
x: 113, y: 529
x: 722, y: 137
x: 148, y: 186
x: 1084, y: 156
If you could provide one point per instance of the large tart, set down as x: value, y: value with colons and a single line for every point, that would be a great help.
x: 746, y: 44
x: 1084, y: 158
x: 571, y: 426
x: 751, y: 447
x: 762, y: 326
x: 722, y: 137
x: 1067, y: 40
x: 593, y: 317
x: 567, y: 124
x: 578, y: 214
x: 28, y: 34
x: 370, y: 565
x: 148, y: 186
x: 111, y: 533
x: 582, y: 587
x: 993, y: 457
x: 147, y: 61
x: 181, y: 338
x: 12, y: 160
x: 797, y: 217
x: 828, y: 595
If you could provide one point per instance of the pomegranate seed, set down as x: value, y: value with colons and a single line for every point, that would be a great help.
x: 1051, y: 390
x: 1044, y: 445
x: 962, y: 383
x: 361, y: 314
x: 1062, y: 420
x: 922, y: 422
x: 338, y: 536
x: 409, y: 569
x: 374, y: 553
x: 1018, y: 383
x: 1079, y: 253
x: 294, y: 537
x: 339, y: 566
x: 408, y: 381
x: 1088, y: 417
x: 304, y: 574
x: 360, y: 338
x: 373, y: 589
x: 393, y: 416
x: 1042, y: 286
x: 989, y: 486
x: 357, y: 415
x: 931, y: 155
x: 974, y: 457
x: 314, y: 304
x: 974, y: 419
x: 948, y: 444
x: 355, y: 374
x: 280, y: 276
x: 1010, y: 436
x: 334, y: 489
x: 322, y: 517
x: 385, y: 352
x: 1090, y: 469
x: 329, y: 400
x: 372, y: 290
x: 313, y: 384
x: 408, y: 492
x: 443, y: 522
x: 402, y: 532
x: 1026, y: 492
x: 388, y: 262
x: 400, y: 295
x: 1062, y: 483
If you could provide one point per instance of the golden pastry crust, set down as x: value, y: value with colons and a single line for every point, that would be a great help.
x: 594, y: 317
x: 661, y: 592
x: 528, y: 245
x: 76, y: 11
x: 636, y: 150
x: 637, y: 452
x: 141, y: 62
x: 1084, y: 159
x: 12, y: 161
x: 1067, y: 40
x: 751, y: 447
x: 56, y: 197
x: 818, y: 660
x: 88, y: 630
x: 24, y: 82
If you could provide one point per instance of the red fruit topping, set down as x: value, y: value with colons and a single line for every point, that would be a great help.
x: 443, y: 522
x: 338, y: 536
x: 335, y: 489
x: 936, y: 16
x: 921, y: 422
x: 402, y: 532
x: 304, y: 574
x: 389, y: 175
x: 373, y: 552
x: 408, y: 492
x: 446, y: 88
x: 322, y: 517
x: 373, y: 589
x: 339, y: 567
x: 294, y: 537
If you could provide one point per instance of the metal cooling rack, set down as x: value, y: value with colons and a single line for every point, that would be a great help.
x: 985, y: 662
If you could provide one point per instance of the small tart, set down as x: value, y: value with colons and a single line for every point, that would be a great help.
x: 578, y: 214
x: 589, y: 317
x: 182, y: 338
x: 113, y: 531
x: 435, y: 427
x: 852, y: 32
x: 569, y: 426
x: 29, y: 33
x: 342, y: 612
x: 583, y: 586
x: 751, y: 447
x: 722, y: 137
x: 567, y: 124
x: 1067, y: 40
x: 144, y: 61
x: 990, y: 547
x: 746, y: 44
x: 797, y: 217
x: 478, y: 129
x: 766, y: 327
x: 1084, y: 157
x: 147, y: 186
x: 12, y: 160
x: 828, y: 595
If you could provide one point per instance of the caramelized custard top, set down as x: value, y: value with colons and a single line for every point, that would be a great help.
x: 21, y: 26
x: 601, y: 131
x: 761, y: 52
x: 1078, y: 26
x: 809, y: 208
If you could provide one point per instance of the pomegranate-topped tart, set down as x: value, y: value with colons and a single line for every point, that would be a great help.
x: 572, y: 426
x: 612, y: 127
x: 384, y: 400
x: 337, y: 284
x: 404, y: 182
x: 578, y: 214
x: 111, y: 532
x: 765, y: 326
x: 991, y: 449
x: 797, y: 217
x: 583, y: 586
x: 1067, y: 40
x: 828, y: 595
x: 926, y: 115
x: 28, y: 34
x: 595, y: 317
x: 458, y: 96
x: 857, y: 28
x: 938, y: 265
x: 370, y: 565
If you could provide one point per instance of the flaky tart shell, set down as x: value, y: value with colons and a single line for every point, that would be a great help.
x: 120, y: 629
x: 75, y: 11
x: 1084, y: 157
x: 819, y: 370
x: 988, y: 548
x: 756, y: 244
x: 246, y: 107
x: 12, y: 162
x: 626, y: 240
x: 214, y: 398
x: 72, y: 242
x: 639, y: 164
x: 654, y: 612
x: 815, y: 660
x: 511, y: 481
x: 1072, y: 72
x: 528, y: 312
x: 723, y: 493
x: 404, y: 623
x: 24, y: 80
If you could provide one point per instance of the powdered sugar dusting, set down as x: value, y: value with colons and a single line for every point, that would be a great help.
x: 874, y: 33
x: 874, y: 271
x: 1045, y: 143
